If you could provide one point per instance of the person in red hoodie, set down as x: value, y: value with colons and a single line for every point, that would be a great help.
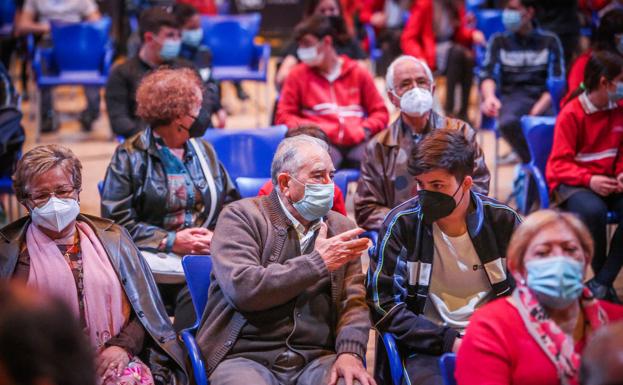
x: 537, y: 334
x: 333, y: 92
x: 585, y: 167
x: 313, y: 131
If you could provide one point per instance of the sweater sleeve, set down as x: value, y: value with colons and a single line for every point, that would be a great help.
x: 490, y: 65
x: 483, y: 357
x: 122, y: 119
x: 561, y: 166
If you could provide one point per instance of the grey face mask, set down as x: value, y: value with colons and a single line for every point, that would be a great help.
x: 317, y: 201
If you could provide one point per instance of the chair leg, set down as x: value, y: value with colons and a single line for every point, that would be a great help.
x: 257, y: 104
x: 38, y: 114
x: 495, y: 166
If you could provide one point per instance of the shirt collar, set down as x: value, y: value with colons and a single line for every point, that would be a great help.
x: 590, y: 108
x: 298, y: 226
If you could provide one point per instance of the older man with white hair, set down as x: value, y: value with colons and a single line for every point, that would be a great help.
x: 385, y: 181
x: 287, y: 303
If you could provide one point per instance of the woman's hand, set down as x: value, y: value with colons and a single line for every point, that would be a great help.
x: 195, y: 240
x: 111, y: 362
x: 603, y: 185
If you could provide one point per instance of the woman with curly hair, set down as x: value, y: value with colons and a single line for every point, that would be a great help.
x: 166, y: 185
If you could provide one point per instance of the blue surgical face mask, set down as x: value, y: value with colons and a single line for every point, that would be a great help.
x: 556, y: 281
x: 192, y: 37
x: 317, y: 201
x: 170, y: 49
x: 511, y: 18
x: 617, y: 94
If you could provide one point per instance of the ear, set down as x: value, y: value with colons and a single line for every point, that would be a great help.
x: 392, y: 98
x: 148, y: 37
x: 282, y: 183
x: 432, y: 89
x: 468, y: 182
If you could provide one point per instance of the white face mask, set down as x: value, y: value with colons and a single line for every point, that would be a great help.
x: 309, y: 55
x: 56, y: 214
x: 416, y: 102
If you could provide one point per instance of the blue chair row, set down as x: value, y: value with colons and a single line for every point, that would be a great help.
x: 7, y: 17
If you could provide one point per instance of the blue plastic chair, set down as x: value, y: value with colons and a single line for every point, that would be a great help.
x: 250, y: 187
x: 247, y: 153
x: 489, y: 21
x: 375, y: 51
x: 387, y: 342
x: 7, y: 17
x: 81, y: 54
x: 343, y: 177
x: 556, y: 87
x: 447, y: 362
x: 197, y: 269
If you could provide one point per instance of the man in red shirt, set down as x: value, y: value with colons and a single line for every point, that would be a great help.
x: 332, y: 92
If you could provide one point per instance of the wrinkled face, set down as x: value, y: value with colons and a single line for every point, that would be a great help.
x: 54, y: 182
x: 316, y: 168
x: 555, y: 239
x: 327, y: 8
x: 407, y: 75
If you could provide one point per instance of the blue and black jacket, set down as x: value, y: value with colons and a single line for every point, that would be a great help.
x: 490, y: 225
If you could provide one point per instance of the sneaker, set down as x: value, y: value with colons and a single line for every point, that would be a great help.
x: 240, y: 92
x: 47, y: 124
x: 86, y: 121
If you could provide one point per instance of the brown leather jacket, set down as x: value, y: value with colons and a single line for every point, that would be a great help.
x: 385, y: 181
x: 162, y: 352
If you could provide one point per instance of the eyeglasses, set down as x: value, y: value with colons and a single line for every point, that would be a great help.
x: 42, y: 197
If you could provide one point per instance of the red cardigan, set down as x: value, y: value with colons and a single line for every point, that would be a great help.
x: 338, y: 198
x: 418, y: 36
x: 497, y: 348
x: 585, y: 145
x: 342, y: 108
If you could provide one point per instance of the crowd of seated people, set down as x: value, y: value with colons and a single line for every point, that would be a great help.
x: 302, y: 272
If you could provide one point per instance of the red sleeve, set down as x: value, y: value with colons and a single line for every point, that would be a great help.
x: 418, y: 38
x: 368, y: 8
x: 288, y: 109
x: 266, y: 189
x: 618, y: 168
x: 373, y: 104
x: 338, y: 201
x: 561, y: 165
x: 576, y: 76
x: 463, y: 34
x: 483, y: 358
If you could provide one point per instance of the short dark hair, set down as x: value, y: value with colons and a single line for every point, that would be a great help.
x: 41, y: 339
x: 316, y: 25
x: 183, y: 12
x: 308, y: 129
x: 445, y: 149
x: 152, y: 19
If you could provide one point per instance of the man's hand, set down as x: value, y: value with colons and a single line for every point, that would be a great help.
x: 111, y: 362
x: 194, y: 240
x: 350, y: 368
x: 603, y: 185
x: 378, y: 19
x: 491, y: 106
x: 340, y: 249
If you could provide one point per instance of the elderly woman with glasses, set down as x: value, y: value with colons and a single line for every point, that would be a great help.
x: 537, y: 334
x: 94, y: 267
x: 166, y: 185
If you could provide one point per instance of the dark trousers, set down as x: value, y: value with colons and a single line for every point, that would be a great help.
x: 514, y: 106
x: 593, y: 210
x: 93, y: 102
x: 459, y: 71
x: 423, y: 369
x: 177, y: 301
x: 347, y: 156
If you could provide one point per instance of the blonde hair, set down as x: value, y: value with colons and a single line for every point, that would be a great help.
x: 42, y: 159
x: 536, y: 222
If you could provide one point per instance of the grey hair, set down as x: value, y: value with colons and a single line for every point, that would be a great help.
x: 389, y: 77
x: 286, y: 157
x: 40, y: 160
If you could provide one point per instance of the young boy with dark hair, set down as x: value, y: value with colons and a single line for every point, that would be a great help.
x: 441, y: 255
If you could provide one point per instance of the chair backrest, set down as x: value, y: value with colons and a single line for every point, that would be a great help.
x: 556, y: 87
x: 343, y: 177
x: 230, y: 38
x: 446, y: 364
x: 7, y: 12
x: 80, y: 46
x: 539, y: 133
x: 249, y: 187
x: 489, y: 21
x: 197, y: 269
x: 246, y: 152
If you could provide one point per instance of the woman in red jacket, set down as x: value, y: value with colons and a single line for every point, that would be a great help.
x: 585, y: 167
x: 608, y: 37
x: 437, y: 32
x: 536, y: 335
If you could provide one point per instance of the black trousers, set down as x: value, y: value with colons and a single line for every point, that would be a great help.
x: 177, y: 301
x: 423, y: 369
x: 593, y: 210
x: 459, y: 72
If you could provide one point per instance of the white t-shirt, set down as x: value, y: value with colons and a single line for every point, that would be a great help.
x: 69, y: 11
x: 459, y: 284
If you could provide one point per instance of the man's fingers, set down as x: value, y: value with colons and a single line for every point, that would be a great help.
x: 102, y: 365
x: 348, y: 377
x: 333, y: 377
x: 198, y: 230
x: 322, y: 232
x: 350, y: 234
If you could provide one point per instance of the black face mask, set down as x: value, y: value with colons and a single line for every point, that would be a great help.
x: 200, y: 125
x: 436, y: 205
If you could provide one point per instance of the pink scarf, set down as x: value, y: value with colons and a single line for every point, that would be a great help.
x: 106, y: 307
x: 558, y: 346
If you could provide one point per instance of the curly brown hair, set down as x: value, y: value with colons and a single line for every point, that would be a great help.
x: 166, y: 94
